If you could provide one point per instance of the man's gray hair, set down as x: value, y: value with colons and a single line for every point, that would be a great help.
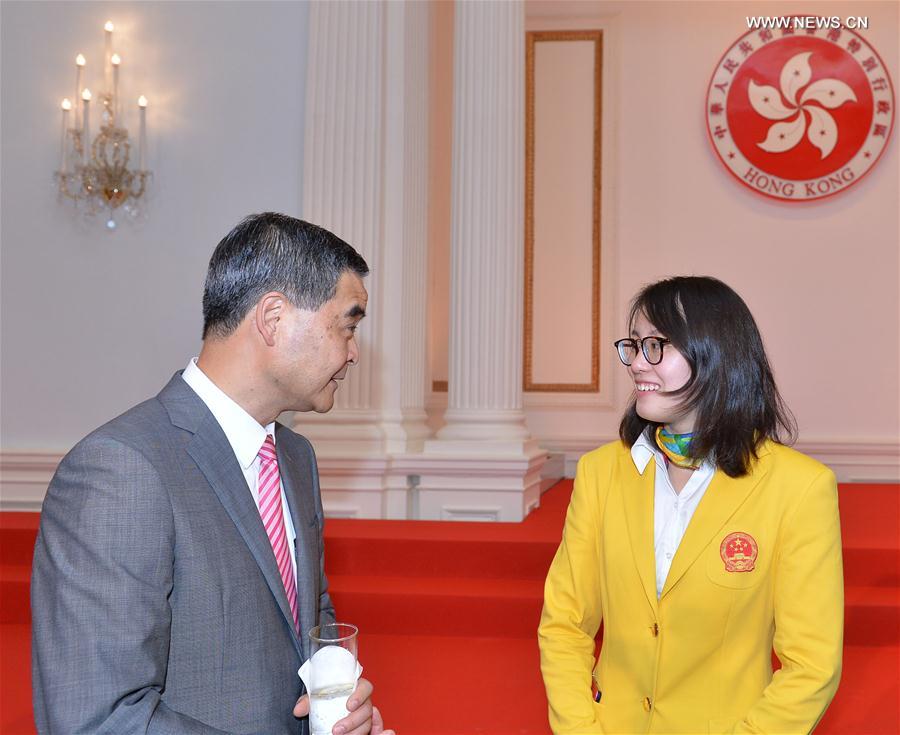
x: 273, y: 252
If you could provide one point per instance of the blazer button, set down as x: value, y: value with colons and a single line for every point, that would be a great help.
x: 647, y: 704
x: 654, y: 630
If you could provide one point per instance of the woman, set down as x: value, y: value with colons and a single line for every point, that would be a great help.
x: 699, y: 540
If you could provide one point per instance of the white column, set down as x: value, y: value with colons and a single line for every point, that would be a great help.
x: 485, y: 424
x: 342, y: 160
x: 404, y: 279
x: 365, y: 178
x: 487, y: 236
x: 404, y: 267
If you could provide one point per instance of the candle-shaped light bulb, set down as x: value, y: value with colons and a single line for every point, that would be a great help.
x: 142, y: 139
x: 115, y: 60
x: 86, y: 123
x: 80, y: 61
x: 107, y: 54
x: 66, y: 108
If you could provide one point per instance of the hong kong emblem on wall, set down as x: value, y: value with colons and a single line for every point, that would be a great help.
x: 800, y: 113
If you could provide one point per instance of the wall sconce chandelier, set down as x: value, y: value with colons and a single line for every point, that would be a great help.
x: 97, y: 175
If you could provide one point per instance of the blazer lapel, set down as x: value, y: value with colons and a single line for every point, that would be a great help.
x: 637, y: 498
x: 294, y: 478
x: 720, y: 501
x: 214, y: 456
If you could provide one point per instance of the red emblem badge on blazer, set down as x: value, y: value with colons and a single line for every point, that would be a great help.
x: 739, y: 552
x: 799, y: 111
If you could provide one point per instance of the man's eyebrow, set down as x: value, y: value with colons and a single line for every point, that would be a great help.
x: 356, y: 310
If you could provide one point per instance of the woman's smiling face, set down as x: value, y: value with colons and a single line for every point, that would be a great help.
x: 655, y: 383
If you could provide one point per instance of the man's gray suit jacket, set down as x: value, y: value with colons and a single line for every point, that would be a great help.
x: 156, y: 601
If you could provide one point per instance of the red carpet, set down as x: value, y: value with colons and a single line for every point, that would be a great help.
x: 448, y: 613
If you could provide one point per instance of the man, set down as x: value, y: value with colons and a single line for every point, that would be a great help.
x: 179, y: 563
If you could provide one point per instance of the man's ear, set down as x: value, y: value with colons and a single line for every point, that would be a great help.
x: 267, y: 313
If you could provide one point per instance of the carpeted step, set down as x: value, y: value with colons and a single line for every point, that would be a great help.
x: 17, y: 544
x: 870, y: 515
x: 472, y: 685
x: 15, y: 680
x: 498, y: 608
x: 18, y: 532
x: 448, y: 614
x: 868, y: 699
x: 443, y: 685
x: 870, y: 534
x: 869, y: 520
x: 512, y: 608
x: 872, y: 566
x: 408, y: 553
x: 15, y: 605
x: 872, y: 616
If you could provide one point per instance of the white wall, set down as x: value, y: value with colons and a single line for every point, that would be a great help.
x: 821, y: 278
x: 94, y: 322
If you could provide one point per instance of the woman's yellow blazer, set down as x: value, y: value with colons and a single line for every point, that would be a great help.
x: 699, y: 658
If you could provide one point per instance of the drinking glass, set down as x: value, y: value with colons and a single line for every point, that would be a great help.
x: 332, y: 675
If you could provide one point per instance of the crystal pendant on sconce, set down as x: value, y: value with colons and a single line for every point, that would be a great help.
x: 102, y: 180
x: 132, y: 210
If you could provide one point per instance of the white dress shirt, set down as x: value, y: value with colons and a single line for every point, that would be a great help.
x: 672, y: 512
x: 245, y: 435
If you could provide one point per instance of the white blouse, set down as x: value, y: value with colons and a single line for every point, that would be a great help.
x: 672, y: 511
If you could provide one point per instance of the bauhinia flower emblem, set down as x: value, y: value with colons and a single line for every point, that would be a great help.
x: 822, y: 130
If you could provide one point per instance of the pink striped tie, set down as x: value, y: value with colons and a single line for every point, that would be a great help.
x: 273, y: 519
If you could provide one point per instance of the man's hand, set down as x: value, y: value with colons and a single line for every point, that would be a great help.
x: 364, y: 718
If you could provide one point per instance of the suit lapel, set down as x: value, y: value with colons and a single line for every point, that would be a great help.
x: 294, y: 477
x: 720, y: 501
x: 214, y: 456
x: 637, y: 497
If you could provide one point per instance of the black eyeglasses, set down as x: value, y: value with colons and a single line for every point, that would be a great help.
x: 652, y: 347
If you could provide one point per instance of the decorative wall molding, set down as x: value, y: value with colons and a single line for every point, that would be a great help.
x: 436, y: 487
x: 341, y: 510
x: 852, y: 461
x: 552, y: 402
x: 551, y: 410
x: 459, y: 513
x: 24, y: 477
x: 532, y: 39
x: 458, y: 486
x: 354, y: 487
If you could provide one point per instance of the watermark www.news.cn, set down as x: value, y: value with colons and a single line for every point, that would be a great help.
x: 806, y: 22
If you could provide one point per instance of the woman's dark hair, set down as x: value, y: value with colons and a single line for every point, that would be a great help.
x: 731, y: 387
